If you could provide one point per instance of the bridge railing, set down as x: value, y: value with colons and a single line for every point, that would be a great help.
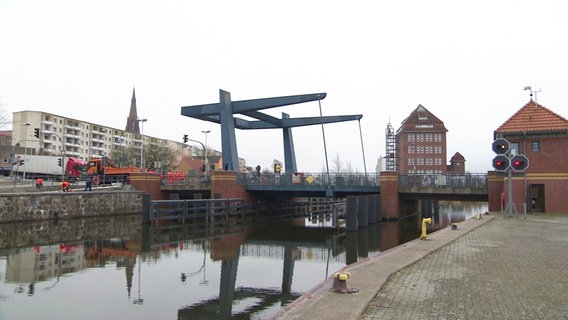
x: 468, y: 180
x: 309, y: 178
x: 195, y: 179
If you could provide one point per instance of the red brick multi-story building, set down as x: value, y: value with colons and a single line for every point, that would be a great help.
x: 421, y: 144
x: 542, y: 136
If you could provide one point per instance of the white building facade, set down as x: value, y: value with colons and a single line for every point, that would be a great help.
x: 80, y: 139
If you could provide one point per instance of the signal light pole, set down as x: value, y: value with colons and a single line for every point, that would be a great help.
x: 506, y: 162
x: 27, y: 124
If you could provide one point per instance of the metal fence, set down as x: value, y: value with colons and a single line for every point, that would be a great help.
x: 307, y: 178
x: 193, y: 179
x: 470, y: 180
x: 215, y: 209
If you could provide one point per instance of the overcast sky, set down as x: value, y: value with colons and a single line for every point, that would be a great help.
x: 465, y: 61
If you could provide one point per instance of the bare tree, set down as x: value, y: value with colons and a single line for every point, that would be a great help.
x: 349, y: 167
x: 154, y: 155
x: 337, y: 164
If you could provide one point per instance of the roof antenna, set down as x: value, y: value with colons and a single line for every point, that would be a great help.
x: 531, y: 90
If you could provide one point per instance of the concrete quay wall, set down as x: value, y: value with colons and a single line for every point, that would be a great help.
x: 35, y: 206
x: 49, y: 232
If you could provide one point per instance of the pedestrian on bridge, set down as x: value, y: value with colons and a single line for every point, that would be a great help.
x: 39, y: 183
x: 169, y: 176
x: 176, y: 176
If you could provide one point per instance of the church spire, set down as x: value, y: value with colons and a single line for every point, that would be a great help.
x: 132, y: 121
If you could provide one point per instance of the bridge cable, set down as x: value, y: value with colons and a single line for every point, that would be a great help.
x: 362, y: 148
x: 324, y: 145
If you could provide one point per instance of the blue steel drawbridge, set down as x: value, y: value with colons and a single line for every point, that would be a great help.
x: 224, y: 112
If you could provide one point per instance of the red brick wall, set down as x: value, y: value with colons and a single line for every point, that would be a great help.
x: 495, y: 187
x: 390, y: 201
x: 403, y: 155
x: 148, y: 183
x: 555, y: 190
x: 552, y: 157
x: 224, y: 185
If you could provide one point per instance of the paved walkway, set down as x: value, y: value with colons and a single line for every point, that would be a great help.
x: 494, y: 268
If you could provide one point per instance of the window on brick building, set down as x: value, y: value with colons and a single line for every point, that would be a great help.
x: 536, y: 146
x: 514, y: 147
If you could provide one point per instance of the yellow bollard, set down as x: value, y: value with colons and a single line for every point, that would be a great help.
x: 340, y: 283
x: 425, y: 221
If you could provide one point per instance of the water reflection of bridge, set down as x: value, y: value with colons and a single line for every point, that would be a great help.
x: 227, y: 242
x: 291, y: 244
x: 236, y: 242
x: 215, y: 309
x: 309, y: 243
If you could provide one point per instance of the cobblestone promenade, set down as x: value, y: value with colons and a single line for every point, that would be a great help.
x: 508, y: 268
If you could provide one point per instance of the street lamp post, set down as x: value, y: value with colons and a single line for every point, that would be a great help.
x: 142, y: 144
x: 121, y: 148
x: 62, y: 155
x: 201, y: 143
x: 27, y: 124
x: 206, y: 160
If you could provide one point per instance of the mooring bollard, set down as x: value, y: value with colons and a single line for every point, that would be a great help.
x: 425, y: 221
x: 340, y: 283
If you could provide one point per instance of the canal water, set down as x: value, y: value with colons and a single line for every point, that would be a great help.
x: 116, y: 268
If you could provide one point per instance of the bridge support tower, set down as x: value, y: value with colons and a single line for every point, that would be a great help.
x: 390, y: 201
x: 224, y: 184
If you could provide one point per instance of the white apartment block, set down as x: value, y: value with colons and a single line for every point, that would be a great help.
x: 79, y: 139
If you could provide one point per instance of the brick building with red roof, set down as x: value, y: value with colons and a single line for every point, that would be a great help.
x: 421, y: 144
x: 542, y: 136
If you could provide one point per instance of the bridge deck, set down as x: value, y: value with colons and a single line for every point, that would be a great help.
x: 341, y: 184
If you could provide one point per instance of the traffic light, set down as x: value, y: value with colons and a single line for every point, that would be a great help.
x: 36, y: 132
x: 21, y: 162
x: 501, y: 163
x: 185, y: 138
x: 257, y: 171
x: 519, y: 163
x: 501, y: 146
x: 277, y: 167
x: 59, y: 162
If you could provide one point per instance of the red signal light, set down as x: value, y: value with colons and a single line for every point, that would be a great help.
x: 501, y: 163
x: 520, y: 163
